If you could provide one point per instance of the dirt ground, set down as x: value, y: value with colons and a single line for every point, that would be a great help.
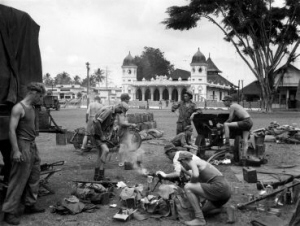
x: 81, y: 167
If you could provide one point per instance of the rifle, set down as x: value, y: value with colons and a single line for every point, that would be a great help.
x: 49, y: 166
x: 180, y: 181
x: 103, y: 182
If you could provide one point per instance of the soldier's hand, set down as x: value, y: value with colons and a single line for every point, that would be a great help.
x: 161, y: 173
x: 17, y: 156
x: 102, y: 138
x: 133, y: 125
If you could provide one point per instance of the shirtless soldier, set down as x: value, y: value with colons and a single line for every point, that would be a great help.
x: 206, y: 183
x: 244, y: 123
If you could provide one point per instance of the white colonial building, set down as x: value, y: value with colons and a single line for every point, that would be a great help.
x: 203, y: 79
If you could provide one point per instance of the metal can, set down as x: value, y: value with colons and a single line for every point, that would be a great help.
x: 288, y: 197
x: 236, y: 190
x: 250, y: 197
x: 269, y: 189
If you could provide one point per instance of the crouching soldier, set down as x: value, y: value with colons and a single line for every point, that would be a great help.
x: 206, y: 183
x: 102, y: 129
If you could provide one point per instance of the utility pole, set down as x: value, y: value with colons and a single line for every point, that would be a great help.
x: 238, y: 96
x: 88, y: 84
x: 243, y: 92
x: 106, y: 77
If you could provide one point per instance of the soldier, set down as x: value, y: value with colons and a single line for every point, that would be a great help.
x: 206, y: 183
x: 242, y: 121
x: 90, y: 114
x: 103, y: 125
x: 184, y: 139
x: 25, y: 172
x: 186, y: 108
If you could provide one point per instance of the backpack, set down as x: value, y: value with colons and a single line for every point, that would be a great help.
x: 180, y: 206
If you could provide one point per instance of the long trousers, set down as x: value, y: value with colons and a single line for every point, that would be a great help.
x: 24, y: 178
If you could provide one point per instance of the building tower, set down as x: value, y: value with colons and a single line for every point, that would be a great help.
x: 129, y: 76
x: 199, y: 76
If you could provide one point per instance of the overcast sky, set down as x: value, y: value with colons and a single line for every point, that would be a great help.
x: 102, y: 32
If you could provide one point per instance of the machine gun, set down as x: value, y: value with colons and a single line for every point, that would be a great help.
x: 180, y: 181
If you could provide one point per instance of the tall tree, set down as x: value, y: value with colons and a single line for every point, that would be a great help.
x: 63, y: 78
x: 47, y: 79
x: 77, y: 80
x: 93, y: 82
x: 263, y: 35
x: 95, y: 78
x: 98, y: 75
x: 152, y: 62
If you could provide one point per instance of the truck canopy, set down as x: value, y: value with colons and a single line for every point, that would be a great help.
x: 20, y: 58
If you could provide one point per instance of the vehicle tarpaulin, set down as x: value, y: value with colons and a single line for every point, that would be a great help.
x: 20, y: 59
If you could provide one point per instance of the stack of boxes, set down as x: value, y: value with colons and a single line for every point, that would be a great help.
x: 143, y: 121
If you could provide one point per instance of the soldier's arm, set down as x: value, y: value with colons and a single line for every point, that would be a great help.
x: 175, y: 107
x: 16, y: 114
x: 231, y: 114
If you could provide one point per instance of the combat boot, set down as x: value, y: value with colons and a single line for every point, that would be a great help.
x: 33, y: 209
x: 11, y: 219
x: 96, y: 174
x: 196, y: 222
x: 99, y: 175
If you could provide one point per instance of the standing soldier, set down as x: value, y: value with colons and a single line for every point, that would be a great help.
x: 90, y: 114
x: 186, y: 108
x: 25, y: 171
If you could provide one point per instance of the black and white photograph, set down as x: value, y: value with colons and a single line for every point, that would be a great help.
x: 150, y: 112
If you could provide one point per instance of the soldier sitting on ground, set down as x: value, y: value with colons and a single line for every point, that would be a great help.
x: 184, y: 139
x: 207, y: 184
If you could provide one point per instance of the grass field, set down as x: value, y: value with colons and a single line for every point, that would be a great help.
x: 81, y: 167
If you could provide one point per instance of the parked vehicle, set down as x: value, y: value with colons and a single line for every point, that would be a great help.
x: 51, y: 102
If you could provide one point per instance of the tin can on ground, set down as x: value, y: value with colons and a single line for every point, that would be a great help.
x: 231, y: 217
x: 250, y: 197
x: 235, y: 190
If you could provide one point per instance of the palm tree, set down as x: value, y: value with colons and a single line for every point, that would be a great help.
x: 77, y: 80
x: 47, y: 80
x: 63, y: 78
x: 98, y: 75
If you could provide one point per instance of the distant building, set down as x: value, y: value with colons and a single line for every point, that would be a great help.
x: 66, y: 91
x: 203, y: 79
x: 287, y: 80
x: 107, y: 94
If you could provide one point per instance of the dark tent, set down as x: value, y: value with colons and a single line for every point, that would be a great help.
x: 20, y: 59
x: 20, y: 64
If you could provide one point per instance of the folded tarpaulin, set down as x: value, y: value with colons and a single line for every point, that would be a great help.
x: 20, y: 58
x: 268, y: 221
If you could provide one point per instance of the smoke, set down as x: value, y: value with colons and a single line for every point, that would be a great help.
x: 130, y: 151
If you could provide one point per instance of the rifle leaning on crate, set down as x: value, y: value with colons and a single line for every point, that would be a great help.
x: 47, y: 171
